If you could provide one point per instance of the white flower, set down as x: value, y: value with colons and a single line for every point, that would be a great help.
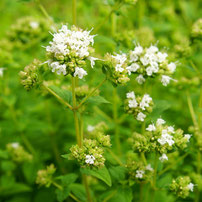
x: 141, y: 116
x: 190, y: 186
x: 148, y: 167
x: 80, y: 72
x: 90, y: 159
x: 2, y: 71
x: 90, y: 128
x: 66, y: 41
x: 138, y: 50
x: 152, y: 49
x: 160, y: 122
x: 151, y: 127
x: 34, y: 24
x: 55, y: 66
x: 161, y: 56
x: 163, y: 158
x: 165, y: 80
x: 120, y: 60
x: 187, y: 136
x: 92, y: 61
x: 132, y: 103
x: 170, y: 129
x: 146, y: 100
x: 139, y: 173
x: 130, y: 95
x: 144, y: 60
x: 140, y: 79
x: 172, y: 67
x: 149, y: 70
x: 166, y: 138
x: 132, y: 68
x: 15, y: 145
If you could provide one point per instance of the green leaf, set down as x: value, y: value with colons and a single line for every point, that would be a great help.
x: 65, y: 156
x: 79, y: 191
x: 68, y: 179
x: 64, y: 94
x: 121, y: 194
x: 102, y: 174
x: 117, y: 173
x: 97, y: 100
x: 62, y: 194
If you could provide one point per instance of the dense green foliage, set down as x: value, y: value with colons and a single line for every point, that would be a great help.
x: 106, y: 157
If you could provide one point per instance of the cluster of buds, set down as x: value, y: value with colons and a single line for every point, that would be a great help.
x: 187, y: 83
x: 115, y: 68
x: 164, y: 138
x: 5, y: 52
x: 17, y: 152
x: 138, y: 171
x: 29, y: 77
x: 150, y: 62
x: 182, y: 186
x: 161, y: 138
x: 138, y: 106
x: 82, y: 91
x: 197, y: 29
x: 45, y: 177
x: 28, y: 30
x: 70, y: 50
x: 97, y: 132
x: 139, y: 142
x: 90, y: 154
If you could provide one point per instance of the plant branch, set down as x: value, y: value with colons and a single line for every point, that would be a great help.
x: 57, y: 96
x: 90, y: 94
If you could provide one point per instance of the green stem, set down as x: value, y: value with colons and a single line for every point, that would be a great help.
x: 90, y: 94
x: 74, y: 12
x: 85, y: 181
x: 191, y: 109
x: 154, y: 177
x: 103, y: 114
x: 43, y: 10
x: 81, y: 129
x: 116, y: 158
x: 76, y: 120
x: 113, y: 18
x: 115, y: 117
x: 143, y: 158
x: 61, y: 188
x: 115, y: 7
x: 171, y: 165
x: 57, y: 96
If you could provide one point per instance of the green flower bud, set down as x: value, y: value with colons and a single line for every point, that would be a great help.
x: 182, y: 186
x: 17, y: 153
x: 45, y: 177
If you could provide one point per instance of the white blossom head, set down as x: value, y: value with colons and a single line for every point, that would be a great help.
x: 163, y: 158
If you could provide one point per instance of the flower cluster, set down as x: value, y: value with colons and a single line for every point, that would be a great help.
x: 29, y: 77
x: 182, y: 186
x: 138, y: 171
x: 150, y: 62
x: 115, y: 68
x: 197, y: 29
x: 97, y: 132
x: 45, y: 177
x: 161, y: 138
x: 69, y: 51
x: 138, y: 106
x: 17, y: 152
x: 29, y: 30
x: 90, y: 154
x: 164, y: 138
